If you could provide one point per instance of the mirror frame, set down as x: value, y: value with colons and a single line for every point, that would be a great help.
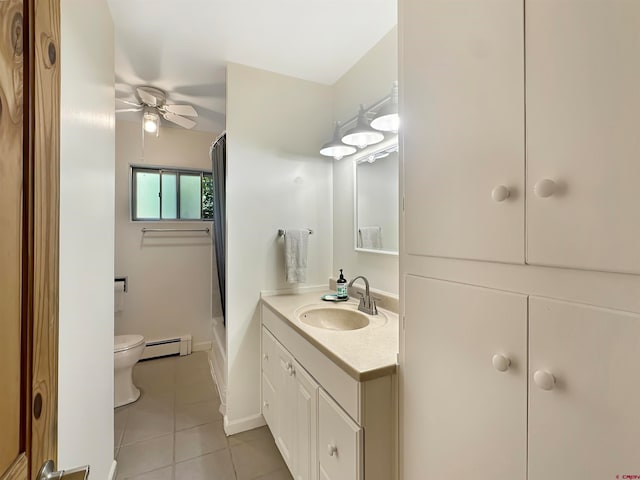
x: 386, y: 144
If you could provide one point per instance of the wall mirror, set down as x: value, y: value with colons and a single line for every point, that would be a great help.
x: 376, y: 199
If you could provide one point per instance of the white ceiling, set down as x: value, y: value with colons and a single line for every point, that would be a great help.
x: 182, y: 46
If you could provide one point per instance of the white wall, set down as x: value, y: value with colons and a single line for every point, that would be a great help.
x: 170, y: 275
x: 85, y: 376
x: 366, y: 82
x: 275, y: 179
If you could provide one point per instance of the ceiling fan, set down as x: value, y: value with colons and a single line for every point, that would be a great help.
x: 153, y: 101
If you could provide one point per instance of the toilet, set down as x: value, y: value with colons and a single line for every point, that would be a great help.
x: 127, y: 350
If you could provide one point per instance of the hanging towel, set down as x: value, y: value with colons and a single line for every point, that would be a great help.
x: 295, y: 255
x: 370, y: 237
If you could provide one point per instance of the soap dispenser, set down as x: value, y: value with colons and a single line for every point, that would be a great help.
x: 341, y: 287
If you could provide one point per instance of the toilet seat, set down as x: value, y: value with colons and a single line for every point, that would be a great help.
x: 122, y: 343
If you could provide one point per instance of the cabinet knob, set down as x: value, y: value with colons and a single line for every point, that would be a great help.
x: 500, y: 193
x: 545, y: 188
x: 265, y: 404
x: 265, y: 356
x: 332, y: 450
x: 500, y: 362
x: 544, y: 380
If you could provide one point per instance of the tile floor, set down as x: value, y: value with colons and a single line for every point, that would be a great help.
x: 174, y: 431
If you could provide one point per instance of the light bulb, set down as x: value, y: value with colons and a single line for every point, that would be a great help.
x: 150, y: 126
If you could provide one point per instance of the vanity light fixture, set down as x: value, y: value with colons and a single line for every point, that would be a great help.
x: 335, y: 148
x: 387, y: 119
x: 362, y: 135
x: 151, y: 122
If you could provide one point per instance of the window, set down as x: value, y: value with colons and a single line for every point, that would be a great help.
x: 171, y: 194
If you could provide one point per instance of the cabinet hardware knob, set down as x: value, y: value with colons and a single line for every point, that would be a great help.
x: 265, y: 404
x: 332, y: 450
x: 500, y: 193
x: 545, y: 188
x: 265, y: 356
x: 500, y: 362
x: 544, y: 380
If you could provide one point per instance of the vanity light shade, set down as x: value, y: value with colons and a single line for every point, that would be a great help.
x: 387, y: 118
x: 151, y: 122
x: 362, y: 135
x: 335, y: 148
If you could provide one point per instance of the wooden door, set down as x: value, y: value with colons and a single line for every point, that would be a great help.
x: 462, y: 109
x: 29, y: 182
x: 583, y: 72
x: 584, y: 420
x: 464, y: 382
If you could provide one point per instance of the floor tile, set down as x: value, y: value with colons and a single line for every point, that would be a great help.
x: 145, y: 456
x: 279, y: 475
x: 119, y: 423
x: 253, y: 459
x: 144, y: 425
x: 199, y: 392
x: 200, y: 440
x: 162, y: 474
x: 214, y: 466
x: 194, y: 414
x: 262, y: 433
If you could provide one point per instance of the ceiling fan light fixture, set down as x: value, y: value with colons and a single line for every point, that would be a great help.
x: 387, y: 118
x: 362, y: 135
x: 151, y: 122
x: 335, y: 148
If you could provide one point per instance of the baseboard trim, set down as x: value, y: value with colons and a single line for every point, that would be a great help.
x: 201, y: 347
x: 243, y: 424
x: 113, y: 471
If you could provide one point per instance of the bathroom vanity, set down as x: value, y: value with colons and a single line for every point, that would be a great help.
x: 329, y: 388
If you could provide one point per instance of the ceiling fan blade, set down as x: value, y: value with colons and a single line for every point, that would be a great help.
x: 121, y: 110
x: 186, y: 110
x: 147, y: 98
x: 134, y: 104
x: 178, y: 120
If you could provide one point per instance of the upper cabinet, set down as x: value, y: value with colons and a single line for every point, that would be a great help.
x: 462, y: 110
x: 583, y: 105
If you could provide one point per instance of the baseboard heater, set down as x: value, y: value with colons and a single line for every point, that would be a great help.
x: 167, y: 346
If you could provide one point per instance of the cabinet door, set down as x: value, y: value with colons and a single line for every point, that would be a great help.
x: 269, y: 404
x: 339, y: 442
x: 269, y: 357
x: 464, y: 406
x: 583, y: 72
x: 586, y: 425
x: 285, y: 390
x: 462, y: 109
x: 306, y: 464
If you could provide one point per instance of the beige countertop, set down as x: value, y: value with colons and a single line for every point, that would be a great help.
x: 365, y: 354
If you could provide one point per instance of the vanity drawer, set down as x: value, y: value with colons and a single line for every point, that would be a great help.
x: 339, y: 442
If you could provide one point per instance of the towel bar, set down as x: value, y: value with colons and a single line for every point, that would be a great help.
x: 282, y: 232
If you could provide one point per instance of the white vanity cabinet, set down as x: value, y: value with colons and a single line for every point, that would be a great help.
x: 318, y: 414
x: 509, y: 387
x: 465, y: 109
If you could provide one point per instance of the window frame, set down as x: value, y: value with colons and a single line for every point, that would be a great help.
x: 177, y: 171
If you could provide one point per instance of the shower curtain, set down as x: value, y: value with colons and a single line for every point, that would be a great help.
x: 219, y: 169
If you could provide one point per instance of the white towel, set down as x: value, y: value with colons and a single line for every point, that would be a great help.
x: 370, y: 237
x: 295, y: 255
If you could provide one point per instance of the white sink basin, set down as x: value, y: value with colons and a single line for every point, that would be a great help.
x: 333, y: 318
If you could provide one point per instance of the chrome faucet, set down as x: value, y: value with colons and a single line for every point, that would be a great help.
x: 367, y: 303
